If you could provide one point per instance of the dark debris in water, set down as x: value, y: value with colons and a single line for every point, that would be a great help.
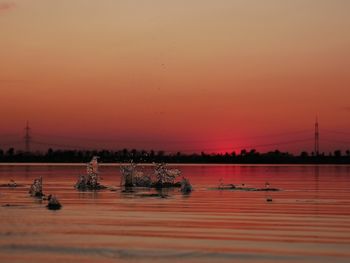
x: 53, y: 203
x: 247, y: 189
x: 160, y: 185
x: 160, y: 195
x: 11, y: 184
x: 12, y: 205
x: 268, y: 189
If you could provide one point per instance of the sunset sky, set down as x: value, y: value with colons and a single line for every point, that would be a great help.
x: 184, y: 75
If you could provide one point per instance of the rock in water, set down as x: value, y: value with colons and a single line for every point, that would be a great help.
x: 53, y: 203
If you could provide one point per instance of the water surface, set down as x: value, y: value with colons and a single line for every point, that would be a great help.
x: 308, y: 221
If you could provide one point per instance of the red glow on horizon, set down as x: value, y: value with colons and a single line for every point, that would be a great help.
x: 143, y: 77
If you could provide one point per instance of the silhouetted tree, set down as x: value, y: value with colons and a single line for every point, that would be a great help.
x: 253, y: 156
x: 10, y: 152
x: 337, y: 153
x: 304, y: 154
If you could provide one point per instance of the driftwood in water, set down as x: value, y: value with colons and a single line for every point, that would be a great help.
x: 242, y: 187
x: 252, y: 189
x: 226, y: 187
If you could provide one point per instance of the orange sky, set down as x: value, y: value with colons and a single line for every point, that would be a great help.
x: 175, y: 75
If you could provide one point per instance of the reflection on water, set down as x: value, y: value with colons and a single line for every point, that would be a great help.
x: 308, y: 221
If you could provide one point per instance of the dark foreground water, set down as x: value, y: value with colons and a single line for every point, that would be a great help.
x: 308, y: 221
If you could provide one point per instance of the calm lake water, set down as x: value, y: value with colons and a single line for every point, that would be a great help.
x: 308, y: 221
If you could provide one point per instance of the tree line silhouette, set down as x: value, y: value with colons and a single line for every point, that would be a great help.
x: 143, y: 156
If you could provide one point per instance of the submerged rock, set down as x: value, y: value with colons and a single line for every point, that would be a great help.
x: 36, y: 189
x: 53, y: 203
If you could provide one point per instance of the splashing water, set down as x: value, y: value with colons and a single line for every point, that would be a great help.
x: 36, y: 189
x: 90, y: 181
x: 162, y: 177
x: 165, y: 175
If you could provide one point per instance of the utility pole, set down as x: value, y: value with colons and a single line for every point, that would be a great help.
x: 27, y: 138
x: 317, y: 139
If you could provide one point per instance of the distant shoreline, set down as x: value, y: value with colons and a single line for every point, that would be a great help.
x: 249, y: 157
x: 177, y: 164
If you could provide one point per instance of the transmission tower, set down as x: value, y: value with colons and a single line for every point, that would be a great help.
x: 27, y: 138
x: 317, y: 149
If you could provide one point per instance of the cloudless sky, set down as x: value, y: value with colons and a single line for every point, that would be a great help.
x: 176, y: 75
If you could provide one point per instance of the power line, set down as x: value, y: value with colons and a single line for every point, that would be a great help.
x: 28, y: 140
x: 249, y: 146
x: 336, y: 141
x: 11, y: 143
x: 9, y: 135
x: 173, y: 141
x: 60, y: 145
x: 336, y: 132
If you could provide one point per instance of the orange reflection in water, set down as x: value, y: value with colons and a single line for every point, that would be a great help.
x: 308, y: 220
